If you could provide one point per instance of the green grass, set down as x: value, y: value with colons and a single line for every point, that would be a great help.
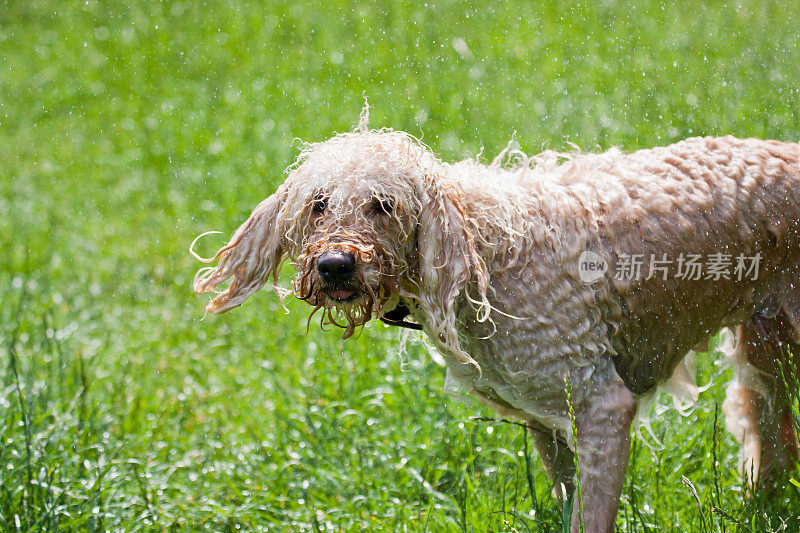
x: 128, y: 128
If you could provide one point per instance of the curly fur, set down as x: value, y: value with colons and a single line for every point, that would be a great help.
x: 486, y: 258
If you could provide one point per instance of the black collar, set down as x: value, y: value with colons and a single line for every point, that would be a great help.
x: 396, y: 317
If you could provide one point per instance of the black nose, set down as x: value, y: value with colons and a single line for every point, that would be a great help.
x: 336, y: 267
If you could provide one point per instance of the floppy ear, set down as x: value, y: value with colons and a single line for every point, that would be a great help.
x: 253, y: 253
x: 447, y: 262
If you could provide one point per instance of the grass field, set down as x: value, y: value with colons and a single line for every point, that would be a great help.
x: 128, y: 128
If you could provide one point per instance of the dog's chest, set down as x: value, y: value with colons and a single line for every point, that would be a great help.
x: 514, y: 378
x: 526, y: 359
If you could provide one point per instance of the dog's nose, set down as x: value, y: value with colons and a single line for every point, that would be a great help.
x: 335, y: 267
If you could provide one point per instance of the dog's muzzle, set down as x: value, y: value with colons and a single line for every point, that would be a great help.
x: 336, y: 269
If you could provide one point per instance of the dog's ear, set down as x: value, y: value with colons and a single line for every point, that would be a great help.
x: 253, y: 254
x: 448, y: 261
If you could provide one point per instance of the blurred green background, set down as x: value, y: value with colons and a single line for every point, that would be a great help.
x: 127, y: 128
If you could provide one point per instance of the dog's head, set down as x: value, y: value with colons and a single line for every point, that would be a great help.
x: 366, y: 218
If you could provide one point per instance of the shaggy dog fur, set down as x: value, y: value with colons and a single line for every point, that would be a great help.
x: 486, y: 258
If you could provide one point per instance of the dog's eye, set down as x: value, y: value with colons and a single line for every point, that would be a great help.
x: 384, y: 206
x: 319, y: 206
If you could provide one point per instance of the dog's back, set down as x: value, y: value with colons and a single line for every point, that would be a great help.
x: 701, y: 235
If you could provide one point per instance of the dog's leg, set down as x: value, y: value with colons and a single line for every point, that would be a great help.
x: 779, y: 446
x: 758, y: 403
x: 744, y: 402
x: 557, y: 458
x: 603, y: 424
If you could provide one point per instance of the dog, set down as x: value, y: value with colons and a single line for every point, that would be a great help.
x: 541, y: 277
